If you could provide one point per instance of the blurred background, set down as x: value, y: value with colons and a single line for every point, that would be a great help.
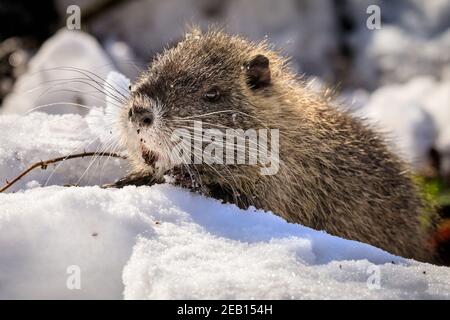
x: 397, y: 76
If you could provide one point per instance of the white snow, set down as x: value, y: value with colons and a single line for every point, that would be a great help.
x: 413, y: 116
x: 414, y: 40
x: 165, y: 242
x: 398, y: 111
x: 62, y: 135
x: 67, y: 71
x: 26, y: 140
x: 437, y: 104
x: 103, y: 121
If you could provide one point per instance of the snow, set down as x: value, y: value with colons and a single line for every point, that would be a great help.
x: 437, y: 104
x: 46, y: 230
x: 165, y: 242
x: 60, y: 77
x: 398, y: 111
x: 21, y: 145
x: 414, y: 41
x: 413, y: 116
x: 61, y: 135
x: 103, y: 121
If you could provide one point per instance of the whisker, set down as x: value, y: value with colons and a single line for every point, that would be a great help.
x: 58, y: 103
x: 88, y: 74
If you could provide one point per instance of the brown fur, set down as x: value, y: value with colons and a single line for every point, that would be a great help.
x: 336, y: 173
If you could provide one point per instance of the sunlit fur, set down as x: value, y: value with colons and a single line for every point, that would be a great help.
x: 336, y: 173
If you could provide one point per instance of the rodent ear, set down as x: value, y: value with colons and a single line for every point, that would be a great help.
x: 258, y: 72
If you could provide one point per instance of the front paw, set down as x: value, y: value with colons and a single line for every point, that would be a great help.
x: 135, y: 179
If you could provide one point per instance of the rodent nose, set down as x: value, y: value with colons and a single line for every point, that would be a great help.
x: 141, y: 116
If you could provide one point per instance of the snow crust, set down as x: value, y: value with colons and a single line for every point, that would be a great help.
x: 164, y: 242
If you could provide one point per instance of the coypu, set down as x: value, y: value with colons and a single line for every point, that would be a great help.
x: 335, y: 172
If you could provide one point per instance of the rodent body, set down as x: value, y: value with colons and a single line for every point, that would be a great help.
x: 335, y: 173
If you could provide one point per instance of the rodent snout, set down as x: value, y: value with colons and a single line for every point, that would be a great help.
x: 141, y: 116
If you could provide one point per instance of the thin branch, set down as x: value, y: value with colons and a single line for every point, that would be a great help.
x: 44, y: 164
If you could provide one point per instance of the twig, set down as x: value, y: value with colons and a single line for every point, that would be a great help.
x: 44, y: 164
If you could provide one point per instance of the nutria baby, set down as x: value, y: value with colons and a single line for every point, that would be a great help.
x: 335, y: 173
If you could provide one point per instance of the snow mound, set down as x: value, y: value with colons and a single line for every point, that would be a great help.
x: 26, y: 140
x: 217, y: 251
x: 165, y: 242
x: 67, y: 72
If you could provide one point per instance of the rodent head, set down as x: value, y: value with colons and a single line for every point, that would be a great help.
x: 209, y: 77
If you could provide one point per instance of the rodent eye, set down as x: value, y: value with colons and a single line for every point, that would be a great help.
x: 213, y: 94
